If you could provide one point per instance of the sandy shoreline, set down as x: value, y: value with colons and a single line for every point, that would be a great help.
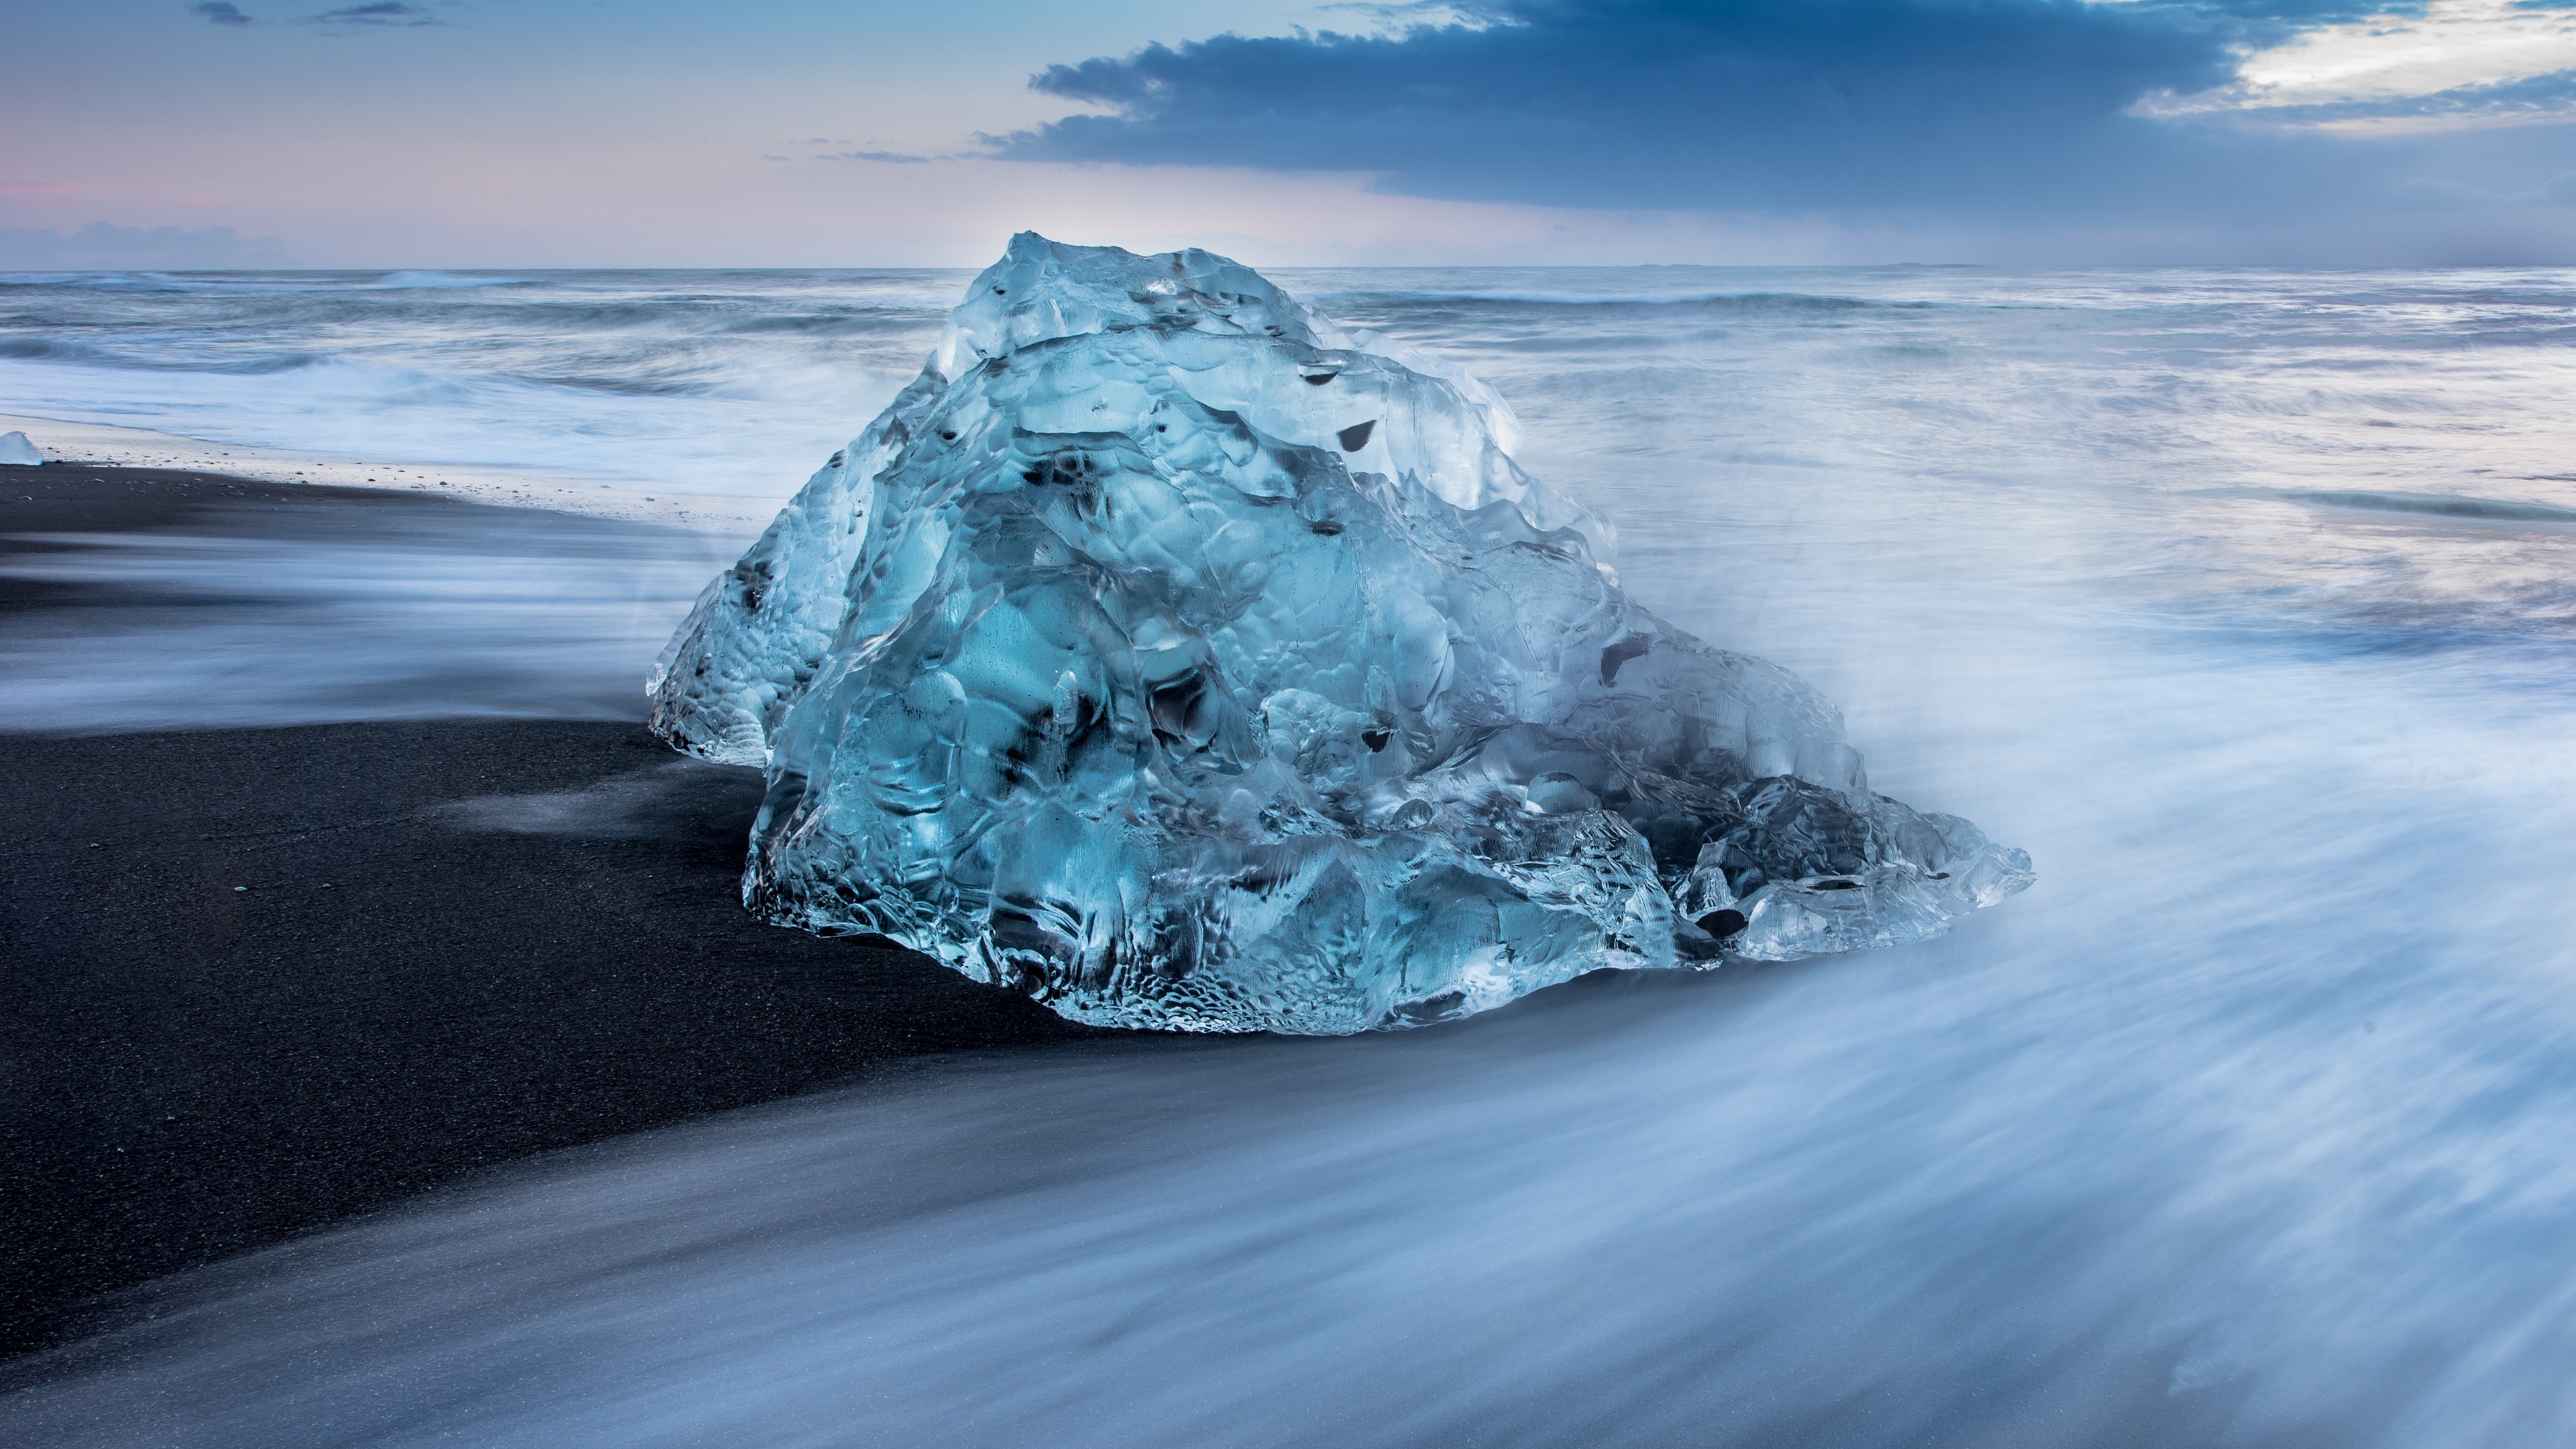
x: 622, y: 498
x: 258, y: 980
x: 261, y: 980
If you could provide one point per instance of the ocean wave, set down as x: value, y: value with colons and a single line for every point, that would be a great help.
x: 889, y: 322
x: 397, y: 281
x: 724, y: 426
x: 255, y: 282
x: 53, y: 349
x: 636, y: 387
x: 1706, y: 301
x: 56, y: 349
x: 106, y: 281
x: 2442, y: 505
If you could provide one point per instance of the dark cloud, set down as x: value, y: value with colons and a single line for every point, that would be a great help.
x: 376, y: 15
x: 1634, y: 102
x: 1998, y: 108
x: 380, y: 13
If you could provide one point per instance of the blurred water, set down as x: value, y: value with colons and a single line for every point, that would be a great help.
x: 2241, y: 600
x: 408, y: 607
x: 728, y: 383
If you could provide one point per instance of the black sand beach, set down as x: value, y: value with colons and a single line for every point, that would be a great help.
x: 253, y: 981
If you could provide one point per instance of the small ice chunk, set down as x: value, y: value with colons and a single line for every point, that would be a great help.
x: 1169, y: 655
x: 17, y: 452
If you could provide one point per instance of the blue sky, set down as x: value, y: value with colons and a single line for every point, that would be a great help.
x: 420, y: 132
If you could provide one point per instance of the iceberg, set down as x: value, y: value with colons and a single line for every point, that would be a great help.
x: 17, y: 452
x: 1180, y: 660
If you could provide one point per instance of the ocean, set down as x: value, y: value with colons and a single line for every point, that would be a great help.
x: 2245, y: 601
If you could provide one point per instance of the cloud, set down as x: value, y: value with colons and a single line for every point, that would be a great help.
x: 866, y: 152
x: 1395, y: 18
x: 101, y: 246
x: 2453, y: 64
x: 2526, y: 99
x: 2030, y: 119
x: 380, y: 13
x: 1660, y: 103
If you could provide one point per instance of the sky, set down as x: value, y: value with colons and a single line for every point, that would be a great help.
x: 859, y: 133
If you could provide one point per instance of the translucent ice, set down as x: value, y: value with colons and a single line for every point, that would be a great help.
x: 17, y: 452
x: 1184, y: 662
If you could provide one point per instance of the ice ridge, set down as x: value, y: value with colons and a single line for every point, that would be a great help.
x: 1169, y: 655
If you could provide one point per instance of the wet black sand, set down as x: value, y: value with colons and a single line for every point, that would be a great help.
x: 253, y: 981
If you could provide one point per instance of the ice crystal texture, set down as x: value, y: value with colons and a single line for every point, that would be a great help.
x: 1171, y: 656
